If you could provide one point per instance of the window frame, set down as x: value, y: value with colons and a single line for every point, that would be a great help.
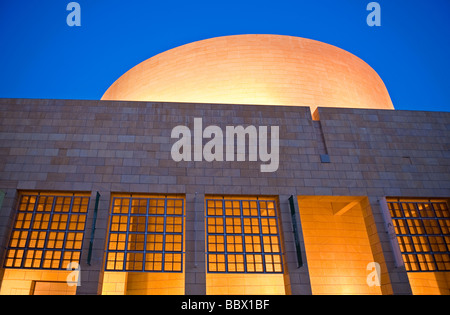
x: 253, y: 253
x: 160, y: 255
x: 41, y: 223
x: 420, y: 248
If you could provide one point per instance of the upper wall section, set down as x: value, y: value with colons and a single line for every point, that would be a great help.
x: 78, y: 145
x: 255, y: 69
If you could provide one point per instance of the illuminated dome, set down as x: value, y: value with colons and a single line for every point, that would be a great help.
x: 255, y: 69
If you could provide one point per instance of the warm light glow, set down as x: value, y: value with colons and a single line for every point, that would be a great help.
x: 244, y: 284
x: 242, y: 236
x: 143, y: 283
x: 244, y: 254
x: 255, y: 69
x: 422, y: 227
x: 423, y: 233
x: 48, y: 231
x: 146, y: 234
x: 430, y: 283
x: 36, y: 282
x: 146, y: 237
x: 337, y: 245
x: 114, y: 283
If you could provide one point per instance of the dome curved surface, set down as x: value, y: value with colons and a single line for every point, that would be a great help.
x: 255, y: 69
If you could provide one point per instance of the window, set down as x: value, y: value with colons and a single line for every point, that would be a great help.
x: 423, y: 233
x: 48, y: 231
x: 145, y: 234
x: 243, y: 236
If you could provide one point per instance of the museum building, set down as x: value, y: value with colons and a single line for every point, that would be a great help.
x: 238, y: 165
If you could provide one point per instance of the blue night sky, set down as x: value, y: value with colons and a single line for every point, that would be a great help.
x: 42, y: 57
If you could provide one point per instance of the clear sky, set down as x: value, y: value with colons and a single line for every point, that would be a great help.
x: 42, y: 57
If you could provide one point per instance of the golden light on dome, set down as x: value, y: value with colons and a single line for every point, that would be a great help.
x: 255, y: 69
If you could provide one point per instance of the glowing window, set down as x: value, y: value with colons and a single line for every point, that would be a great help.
x: 48, y: 231
x: 145, y: 234
x: 423, y: 233
x: 243, y: 236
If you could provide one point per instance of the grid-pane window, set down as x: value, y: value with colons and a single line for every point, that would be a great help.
x: 48, y: 231
x: 243, y: 236
x: 145, y: 234
x: 423, y: 233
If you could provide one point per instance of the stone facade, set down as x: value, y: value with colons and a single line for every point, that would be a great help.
x: 118, y: 146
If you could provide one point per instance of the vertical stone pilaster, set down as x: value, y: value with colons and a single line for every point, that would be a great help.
x: 296, y: 277
x: 91, y: 272
x: 195, y: 264
x: 394, y: 278
x: 7, y: 214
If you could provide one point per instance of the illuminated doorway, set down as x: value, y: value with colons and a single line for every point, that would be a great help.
x: 337, y: 245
